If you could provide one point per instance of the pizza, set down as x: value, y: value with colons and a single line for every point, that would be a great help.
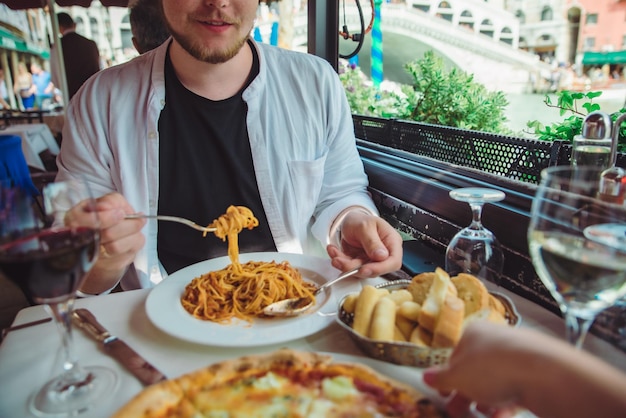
x: 280, y: 384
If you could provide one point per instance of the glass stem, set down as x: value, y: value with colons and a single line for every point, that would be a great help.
x: 61, y: 312
x: 477, y: 209
x: 576, y: 329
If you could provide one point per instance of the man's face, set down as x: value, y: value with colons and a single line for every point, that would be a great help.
x: 212, y: 31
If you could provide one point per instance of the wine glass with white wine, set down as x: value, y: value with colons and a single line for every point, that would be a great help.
x: 577, y: 243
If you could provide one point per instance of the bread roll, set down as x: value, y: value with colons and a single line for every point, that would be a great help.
x: 472, y: 291
x: 440, y: 288
x: 399, y: 296
x: 410, y: 310
x: 364, y: 308
x: 450, y: 323
x: 349, y: 303
x: 399, y: 335
x: 420, y: 285
x: 486, y: 314
x: 383, y: 320
x: 421, y: 337
x: 405, y: 325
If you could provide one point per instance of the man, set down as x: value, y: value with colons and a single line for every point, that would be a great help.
x: 80, y: 56
x: 43, y: 82
x: 211, y: 119
x: 146, y: 25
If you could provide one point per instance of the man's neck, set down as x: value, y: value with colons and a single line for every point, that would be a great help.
x: 212, y: 81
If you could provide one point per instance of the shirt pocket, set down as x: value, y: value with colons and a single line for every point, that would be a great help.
x: 307, y: 178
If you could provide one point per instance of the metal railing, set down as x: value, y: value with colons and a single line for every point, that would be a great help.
x: 511, y: 157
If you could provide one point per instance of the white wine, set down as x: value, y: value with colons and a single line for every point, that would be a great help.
x: 591, y: 155
x: 588, y: 277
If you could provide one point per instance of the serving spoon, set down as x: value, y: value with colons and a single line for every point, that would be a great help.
x: 172, y: 219
x: 296, y: 306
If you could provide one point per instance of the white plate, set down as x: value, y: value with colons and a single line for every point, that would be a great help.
x: 164, y: 309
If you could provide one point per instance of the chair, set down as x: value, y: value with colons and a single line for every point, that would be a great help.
x: 13, y: 165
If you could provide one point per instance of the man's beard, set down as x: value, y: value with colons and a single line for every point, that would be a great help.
x: 211, y: 56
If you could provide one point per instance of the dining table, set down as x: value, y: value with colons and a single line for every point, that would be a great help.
x: 32, y: 355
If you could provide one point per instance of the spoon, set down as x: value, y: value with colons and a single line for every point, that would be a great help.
x: 296, y: 306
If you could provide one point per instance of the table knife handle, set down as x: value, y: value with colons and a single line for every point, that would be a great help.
x: 87, y: 321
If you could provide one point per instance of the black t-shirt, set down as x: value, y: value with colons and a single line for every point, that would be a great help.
x: 205, y: 166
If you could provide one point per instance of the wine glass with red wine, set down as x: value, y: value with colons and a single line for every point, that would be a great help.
x: 47, y: 245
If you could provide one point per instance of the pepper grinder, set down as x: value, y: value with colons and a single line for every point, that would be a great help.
x: 613, y: 179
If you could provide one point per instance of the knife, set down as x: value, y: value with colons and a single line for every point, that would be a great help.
x: 137, y: 365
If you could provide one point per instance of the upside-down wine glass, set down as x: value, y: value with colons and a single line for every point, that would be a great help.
x: 46, y: 247
x: 577, y: 243
x: 474, y: 249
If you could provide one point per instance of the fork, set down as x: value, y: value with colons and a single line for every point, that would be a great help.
x: 171, y: 219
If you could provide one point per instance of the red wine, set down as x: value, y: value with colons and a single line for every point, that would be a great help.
x: 51, y: 263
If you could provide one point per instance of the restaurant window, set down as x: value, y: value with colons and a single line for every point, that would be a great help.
x: 591, y: 18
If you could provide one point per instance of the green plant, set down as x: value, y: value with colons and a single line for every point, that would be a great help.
x: 365, y: 99
x: 437, y: 96
x: 453, y: 97
x: 578, y: 105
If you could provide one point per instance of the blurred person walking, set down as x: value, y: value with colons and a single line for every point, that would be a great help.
x: 147, y: 25
x: 24, y: 87
x: 43, y: 82
x: 80, y: 56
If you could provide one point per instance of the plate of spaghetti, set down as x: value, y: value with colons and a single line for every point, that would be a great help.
x: 167, y: 312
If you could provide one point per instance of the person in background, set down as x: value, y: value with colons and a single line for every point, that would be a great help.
x: 4, y: 93
x: 210, y: 119
x: 146, y: 25
x: 43, y: 82
x: 80, y: 56
x: 504, y: 368
x: 24, y: 86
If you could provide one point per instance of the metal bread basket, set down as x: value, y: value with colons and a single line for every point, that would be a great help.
x: 405, y: 353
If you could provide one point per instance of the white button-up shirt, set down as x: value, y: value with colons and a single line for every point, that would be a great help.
x: 301, y: 136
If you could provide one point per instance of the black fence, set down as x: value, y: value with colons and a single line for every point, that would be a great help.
x: 411, y: 168
x: 514, y: 158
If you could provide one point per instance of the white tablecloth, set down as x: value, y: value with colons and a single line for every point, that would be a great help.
x: 30, y: 356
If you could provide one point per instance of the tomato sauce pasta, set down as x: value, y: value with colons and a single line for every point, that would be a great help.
x: 241, y: 290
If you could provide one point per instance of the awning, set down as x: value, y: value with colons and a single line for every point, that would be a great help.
x: 35, y: 4
x: 600, y: 58
x: 13, y: 42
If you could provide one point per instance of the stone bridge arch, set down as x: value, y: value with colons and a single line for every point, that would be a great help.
x: 496, y: 64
